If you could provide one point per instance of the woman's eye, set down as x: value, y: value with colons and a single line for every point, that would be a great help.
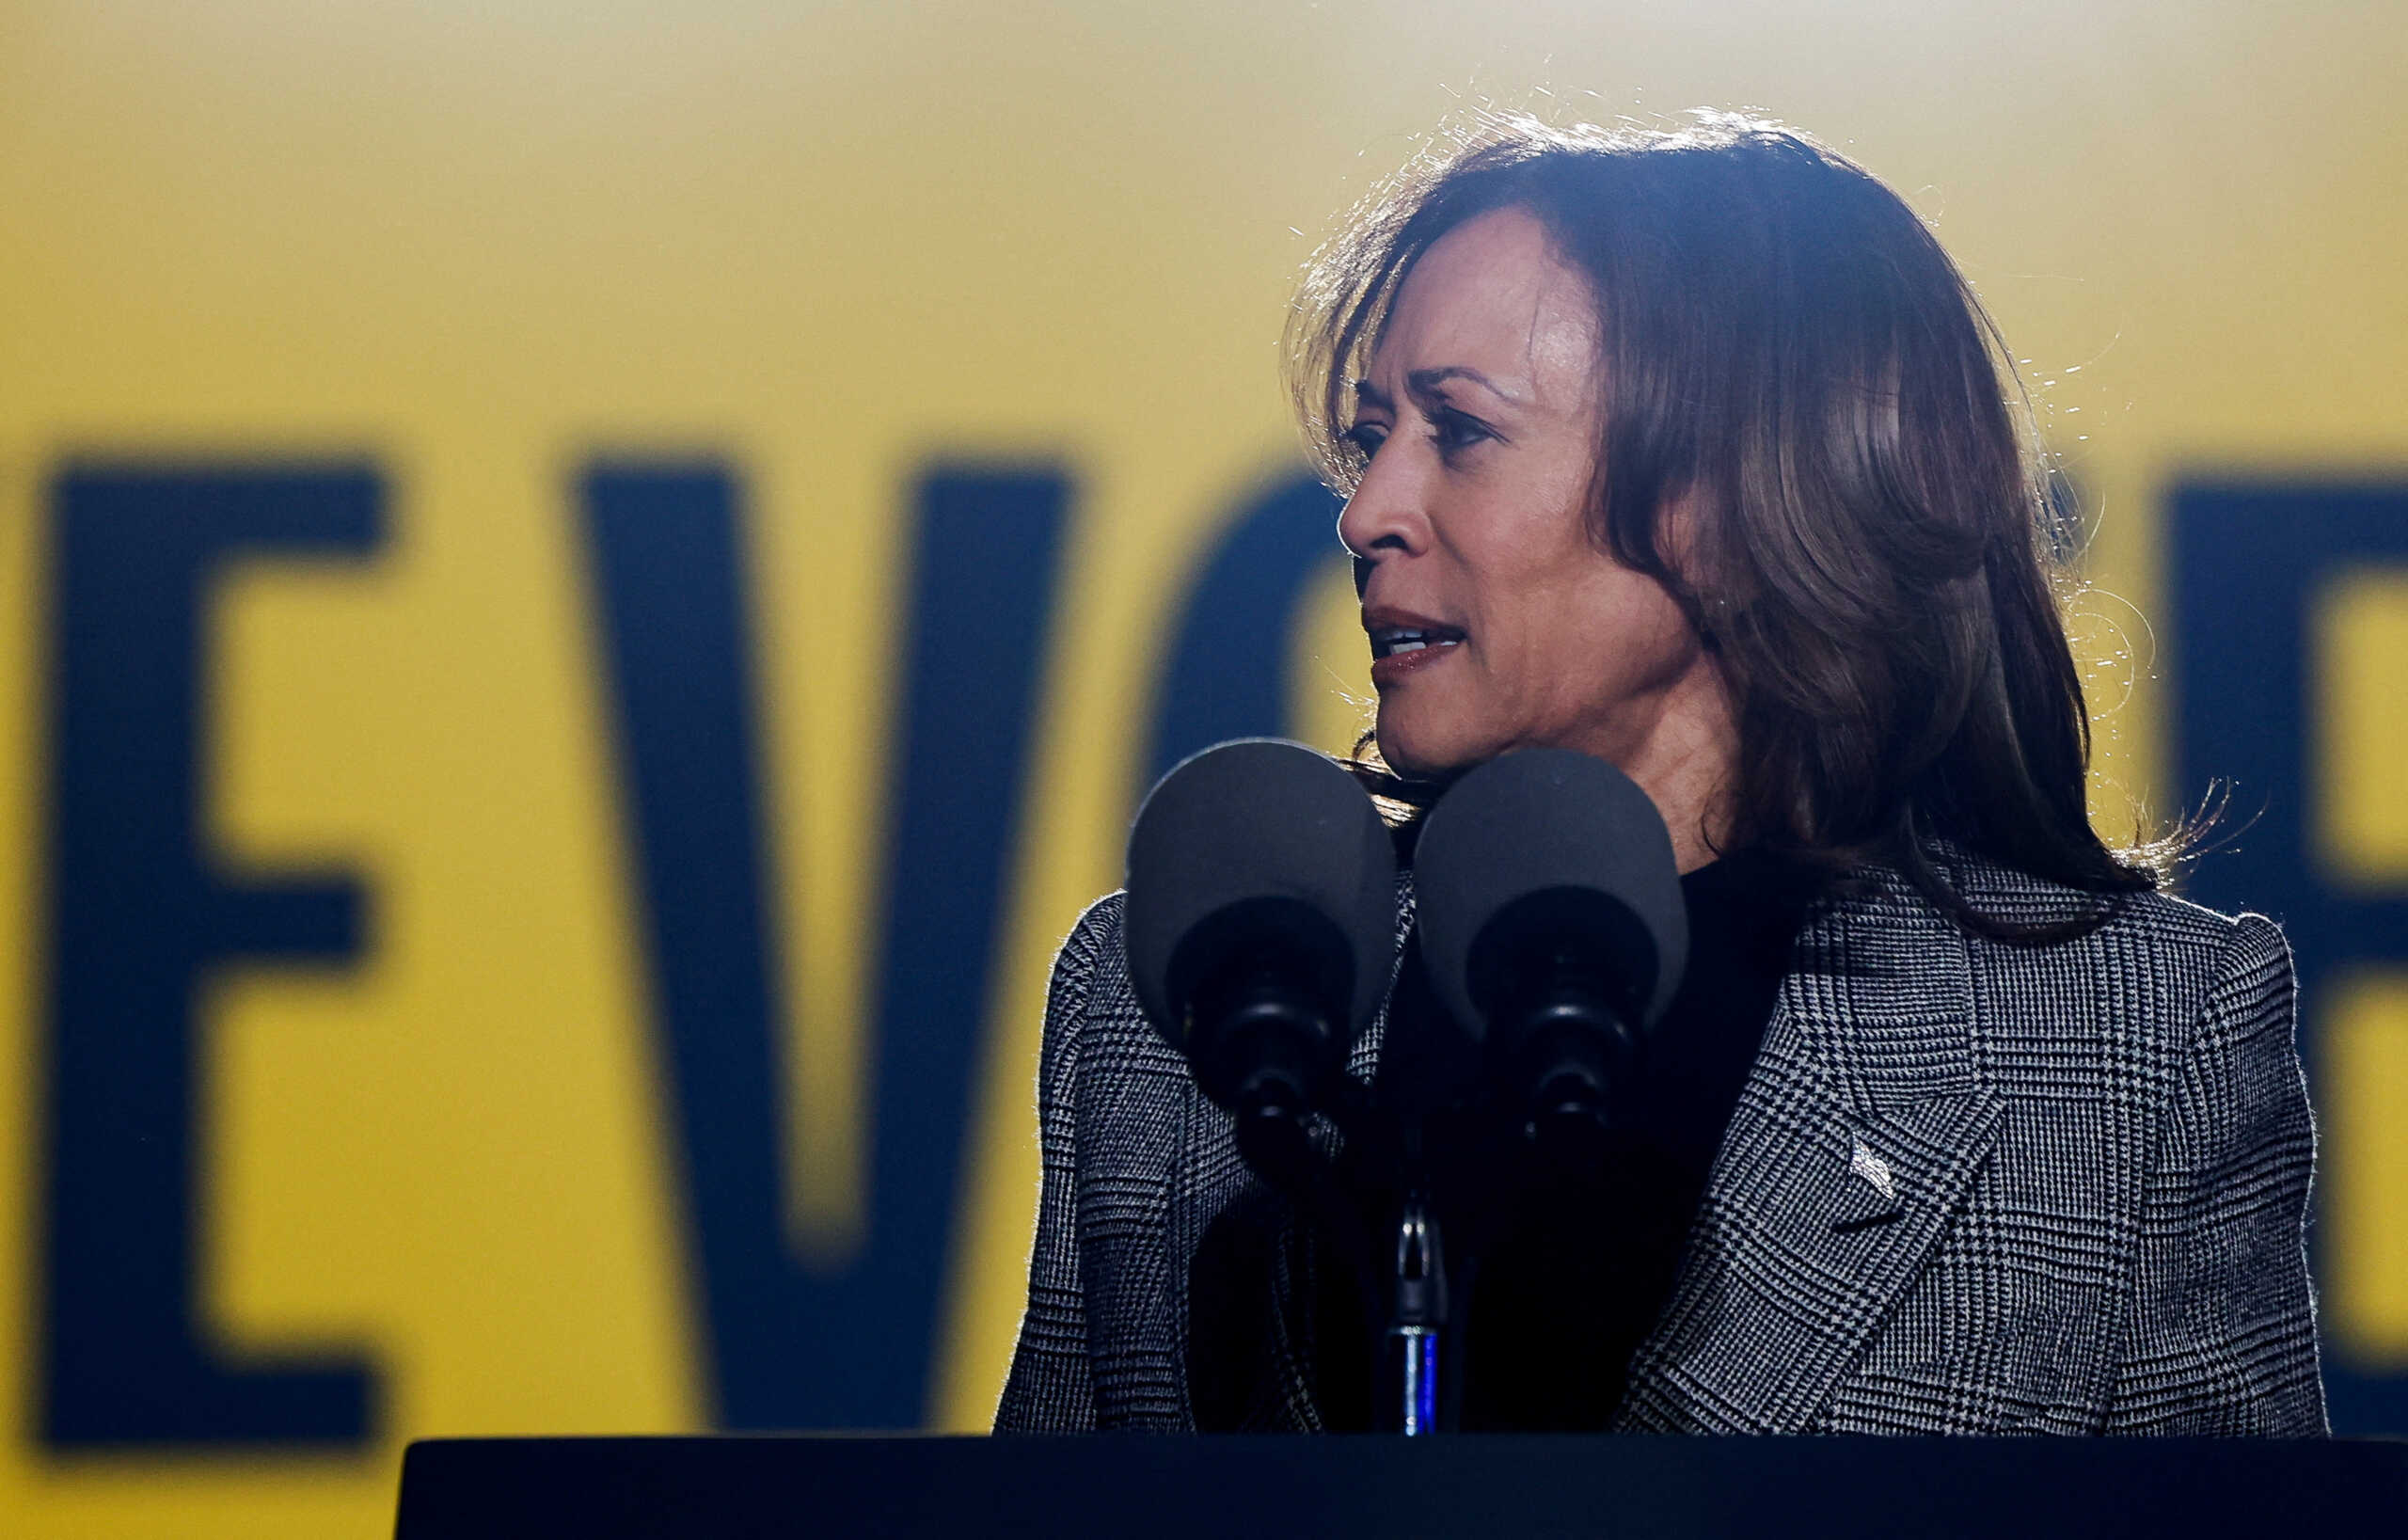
x: 1453, y: 431
x: 1367, y: 437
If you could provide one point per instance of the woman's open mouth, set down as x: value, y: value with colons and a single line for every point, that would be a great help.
x: 1399, y: 650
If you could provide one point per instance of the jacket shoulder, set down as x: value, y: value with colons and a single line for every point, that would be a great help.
x: 2011, y: 894
x: 1095, y: 940
x: 1091, y: 1010
x: 2148, y: 918
x: 2147, y: 978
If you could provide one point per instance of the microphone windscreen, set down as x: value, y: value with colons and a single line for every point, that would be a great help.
x: 1252, y: 820
x: 1555, y: 834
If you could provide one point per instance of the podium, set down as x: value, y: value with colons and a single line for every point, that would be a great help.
x: 1491, y: 1487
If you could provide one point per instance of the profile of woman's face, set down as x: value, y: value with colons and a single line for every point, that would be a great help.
x: 1495, y: 620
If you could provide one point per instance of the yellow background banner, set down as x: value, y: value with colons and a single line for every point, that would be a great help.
x: 479, y: 249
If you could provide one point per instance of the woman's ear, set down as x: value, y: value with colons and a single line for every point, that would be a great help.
x: 1712, y: 587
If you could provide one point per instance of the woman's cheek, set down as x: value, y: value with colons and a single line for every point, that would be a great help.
x: 1451, y: 724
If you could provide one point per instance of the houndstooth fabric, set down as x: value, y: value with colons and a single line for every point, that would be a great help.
x: 2095, y: 1157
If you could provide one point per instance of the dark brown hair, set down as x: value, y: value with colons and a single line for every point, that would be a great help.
x: 1785, y: 348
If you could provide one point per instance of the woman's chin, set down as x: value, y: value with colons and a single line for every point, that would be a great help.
x: 1422, y: 754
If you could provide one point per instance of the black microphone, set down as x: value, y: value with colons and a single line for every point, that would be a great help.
x: 1553, y: 928
x: 1260, y: 925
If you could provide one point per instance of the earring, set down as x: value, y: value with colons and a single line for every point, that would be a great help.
x: 1711, y: 613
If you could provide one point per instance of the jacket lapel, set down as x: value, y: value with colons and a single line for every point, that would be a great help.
x: 1863, y: 1122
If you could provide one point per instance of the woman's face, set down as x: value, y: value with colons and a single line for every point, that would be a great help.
x: 1495, y: 620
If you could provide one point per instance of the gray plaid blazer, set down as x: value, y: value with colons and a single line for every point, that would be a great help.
x: 2085, y: 1167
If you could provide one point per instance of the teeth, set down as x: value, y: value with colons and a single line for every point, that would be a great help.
x: 1391, y: 643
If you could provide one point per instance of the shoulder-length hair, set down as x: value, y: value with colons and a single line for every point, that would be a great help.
x: 1785, y: 349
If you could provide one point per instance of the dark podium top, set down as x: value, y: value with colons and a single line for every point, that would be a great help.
x: 1331, y: 1489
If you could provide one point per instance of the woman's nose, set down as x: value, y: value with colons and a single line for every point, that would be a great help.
x: 1385, y: 515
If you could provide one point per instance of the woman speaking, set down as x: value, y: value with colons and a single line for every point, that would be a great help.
x: 1693, y: 451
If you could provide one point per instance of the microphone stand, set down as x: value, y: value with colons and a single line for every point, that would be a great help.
x: 1424, y: 1071
x: 1417, y: 1320
x: 1451, y: 1131
x: 1419, y: 1154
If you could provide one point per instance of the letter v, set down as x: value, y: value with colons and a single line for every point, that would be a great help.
x: 790, y: 1349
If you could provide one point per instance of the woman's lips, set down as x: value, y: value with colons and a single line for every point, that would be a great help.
x: 1393, y: 666
x: 1404, y: 642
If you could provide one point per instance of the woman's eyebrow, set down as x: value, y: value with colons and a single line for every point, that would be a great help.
x: 1425, y: 382
x: 1368, y: 394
